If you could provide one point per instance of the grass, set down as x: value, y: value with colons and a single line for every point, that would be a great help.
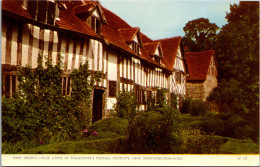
x: 236, y: 146
x: 104, y: 146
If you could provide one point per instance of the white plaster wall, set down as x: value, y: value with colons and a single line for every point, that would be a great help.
x: 35, y: 47
x: 14, y: 45
x: 111, y: 103
x: 3, y: 43
x: 112, y: 66
x: 55, y: 48
x: 136, y: 39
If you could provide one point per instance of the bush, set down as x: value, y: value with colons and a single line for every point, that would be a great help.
x: 126, y: 105
x: 186, y: 106
x: 108, y: 128
x: 239, y: 128
x: 39, y: 109
x: 196, y: 142
x: 194, y: 107
x: 153, y: 132
x: 161, y: 98
x: 198, y: 107
x: 214, y: 126
x: 174, y: 101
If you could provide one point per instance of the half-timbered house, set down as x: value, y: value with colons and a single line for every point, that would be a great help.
x: 203, y: 74
x: 81, y: 31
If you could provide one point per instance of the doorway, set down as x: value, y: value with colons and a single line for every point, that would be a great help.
x: 97, y: 105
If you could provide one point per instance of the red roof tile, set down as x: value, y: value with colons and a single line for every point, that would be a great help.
x: 68, y: 20
x: 117, y: 32
x: 16, y: 8
x: 128, y: 33
x: 112, y: 36
x: 145, y: 39
x: 71, y: 22
x: 88, y: 7
x: 113, y: 20
x: 151, y: 47
x: 198, y: 63
x: 170, y: 48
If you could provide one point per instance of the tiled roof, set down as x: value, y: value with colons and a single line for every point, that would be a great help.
x: 145, y: 39
x: 88, y: 7
x: 71, y: 22
x: 198, y: 63
x: 116, y: 32
x: 128, y: 33
x: 68, y: 21
x: 113, y: 20
x: 170, y: 48
x: 112, y: 36
x: 151, y: 47
x: 16, y: 8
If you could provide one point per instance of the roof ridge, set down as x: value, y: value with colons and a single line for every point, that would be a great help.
x: 154, y: 42
x: 163, y: 39
x: 211, y: 50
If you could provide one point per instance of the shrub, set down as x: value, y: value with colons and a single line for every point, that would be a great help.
x: 114, y: 126
x: 196, y: 142
x: 239, y: 128
x: 174, y: 101
x: 150, y: 102
x: 161, y: 98
x: 198, y: 107
x: 186, y: 105
x: 39, y: 109
x: 214, y: 126
x: 126, y: 105
x: 153, y: 132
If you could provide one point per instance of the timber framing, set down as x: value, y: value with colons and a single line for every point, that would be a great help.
x: 116, y: 50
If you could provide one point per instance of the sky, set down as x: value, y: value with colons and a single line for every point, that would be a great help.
x: 166, y: 18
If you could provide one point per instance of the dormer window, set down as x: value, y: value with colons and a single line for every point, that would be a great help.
x: 44, y: 11
x: 91, y: 13
x: 96, y: 24
x: 157, y: 59
x: 135, y: 47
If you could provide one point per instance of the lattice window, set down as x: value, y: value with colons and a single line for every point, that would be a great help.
x: 178, y: 77
x: 112, y: 89
x: 135, y: 47
x: 96, y: 24
x: 157, y: 59
x: 9, y: 85
x: 140, y: 96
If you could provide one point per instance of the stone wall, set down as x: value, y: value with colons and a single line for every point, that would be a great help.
x: 195, y: 90
x: 201, y: 90
x: 210, y: 83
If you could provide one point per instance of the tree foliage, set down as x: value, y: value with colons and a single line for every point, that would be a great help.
x: 237, y: 53
x: 200, y: 34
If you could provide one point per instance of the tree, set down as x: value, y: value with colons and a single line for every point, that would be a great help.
x: 200, y: 34
x: 237, y: 53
